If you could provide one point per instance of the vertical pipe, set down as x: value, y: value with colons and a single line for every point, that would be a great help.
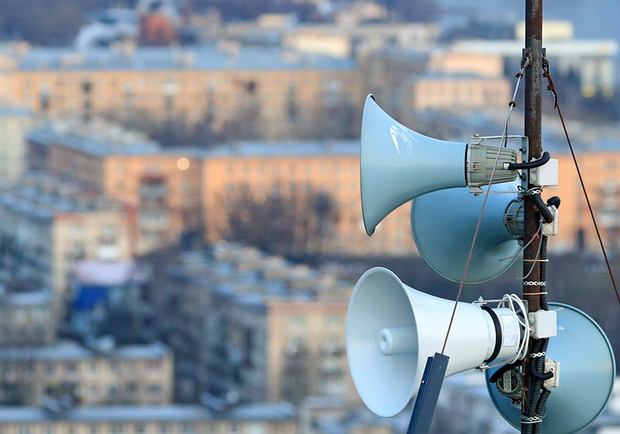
x: 533, y: 127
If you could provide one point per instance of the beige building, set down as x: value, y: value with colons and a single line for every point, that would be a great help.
x: 479, y: 64
x: 179, y: 190
x: 292, y: 170
x: 160, y: 189
x: 14, y: 124
x: 48, y: 225
x: 131, y: 374
x: 599, y: 169
x: 268, y: 92
x: 254, y: 328
x: 151, y: 419
x: 457, y: 93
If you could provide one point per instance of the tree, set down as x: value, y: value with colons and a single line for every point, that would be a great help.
x: 299, y: 222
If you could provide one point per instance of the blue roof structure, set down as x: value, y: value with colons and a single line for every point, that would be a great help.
x: 68, y: 350
x: 207, y: 57
x: 149, y: 413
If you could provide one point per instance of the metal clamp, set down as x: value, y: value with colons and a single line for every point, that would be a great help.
x: 536, y: 355
x: 531, y: 419
x: 534, y: 283
x: 533, y: 191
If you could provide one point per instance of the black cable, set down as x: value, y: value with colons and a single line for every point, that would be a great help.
x: 530, y: 164
x: 540, y: 409
x: 538, y: 365
x: 543, y: 208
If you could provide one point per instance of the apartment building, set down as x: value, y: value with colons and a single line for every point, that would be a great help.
x: 291, y: 171
x: 14, y: 122
x: 161, y: 189
x: 455, y: 93
x: 178, y: 190
x: 254, y: 328
x: 48, y: 225
x: 130, y: 374
x: 226, y: 86
x: 27, y: 318
x: 278, y: 418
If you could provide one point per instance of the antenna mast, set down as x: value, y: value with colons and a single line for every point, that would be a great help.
x: 533, y: 127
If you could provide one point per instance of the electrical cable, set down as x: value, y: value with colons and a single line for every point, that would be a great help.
x: 504, y: 141
x: 551, y: 88
x: 530, y: 164
x: 543, y: 208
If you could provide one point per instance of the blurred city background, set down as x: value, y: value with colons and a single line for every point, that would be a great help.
x: 180, y: 218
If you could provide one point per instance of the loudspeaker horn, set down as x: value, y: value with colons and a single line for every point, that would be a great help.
x: 443, y: 225
x: 586, y: 375
x: 397, y: 164
x: 392, y: 329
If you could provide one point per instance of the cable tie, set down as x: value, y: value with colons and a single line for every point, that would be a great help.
x: 536, y: 260
x: 533, y: 191
x: 536, y: 293
x: 534, y: 283
x: 530, y: 419
x: 536, y: 355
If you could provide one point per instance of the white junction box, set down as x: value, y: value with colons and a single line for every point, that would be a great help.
x: 552, y: 366
x: 544, y: 324
x: 545, y: 175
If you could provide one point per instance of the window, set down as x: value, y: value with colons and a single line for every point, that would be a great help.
x: 93, y: 429
x: 77, y: 230
x: 154, y: 365
x: 108, y: 230
x: 300, y: 321
x: 71, y: 368
x: 154, y: 389
x: 140, y: 429
x: 118, y: 429
x: 187, y: 428
x: 255, y: 428
x: 334, y: 320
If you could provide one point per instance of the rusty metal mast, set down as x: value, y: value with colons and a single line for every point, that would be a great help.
x: 533, y: 127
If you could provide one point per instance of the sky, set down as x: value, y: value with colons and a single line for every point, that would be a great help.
x: 593, y: 19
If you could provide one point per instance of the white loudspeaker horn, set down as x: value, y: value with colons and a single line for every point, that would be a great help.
x: 587, y: 371
x: 397, y: 164
x: 444, y: 222
x: 392, y: 329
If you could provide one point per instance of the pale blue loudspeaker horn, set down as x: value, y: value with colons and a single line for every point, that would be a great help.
x: 444, y: 222
x: 586, y: 375
x: 397, y: 165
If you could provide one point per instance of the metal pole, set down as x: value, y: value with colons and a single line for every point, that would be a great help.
x: 533, y: 124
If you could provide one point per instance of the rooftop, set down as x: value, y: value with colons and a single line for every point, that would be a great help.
x: 98, y: 138
x: 165, y: 413
x: 293, y: 148
x: 512, y: 48
x: 27, y: 298
x: 209, y: 57
x: 252, y: 278
x: 69, y: 350
x: 95, y: 143
x: 43, y: 196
